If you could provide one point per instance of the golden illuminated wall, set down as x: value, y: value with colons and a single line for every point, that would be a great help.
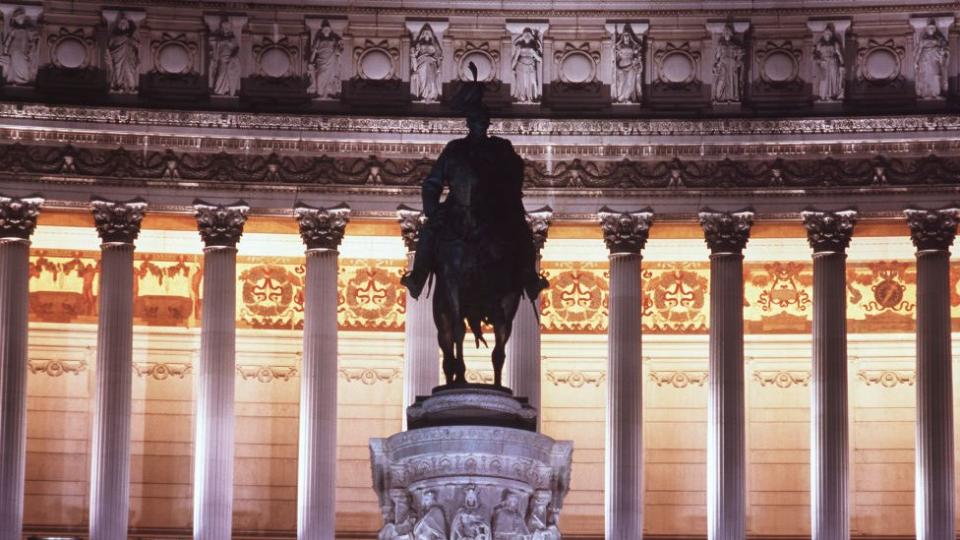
x: 778, y: 281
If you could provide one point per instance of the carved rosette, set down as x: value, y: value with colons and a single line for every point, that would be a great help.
x: 220, y: 225
x: 726, y: 232
x: 18, y: 216
x: 539, y: 223
x: 625, y: 232
x: 411, y: 222
x: 118, y: 222
x: 932, y: 229
x: 829, y: 231
x: 322, y: 228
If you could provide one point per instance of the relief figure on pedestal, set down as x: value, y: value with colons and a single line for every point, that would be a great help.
x: 932, y: 51
x: 426, y: 57
x: 628, y: 60
x: 398, y: 520
x: 828, y: 56
x: 324, y: 63
x: 527, y: 57
x: 540, y: 521
x: 508, y: 523
x: 20, y: 49
x: 728, y: 67
x: 224, y: 60
x: 123, y: 48
x: 432, y: 524
x: 468, y: 522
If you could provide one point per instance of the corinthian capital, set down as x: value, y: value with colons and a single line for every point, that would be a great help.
x: 411, y: 221
x: 829, y: 231
x: 932, y: 229
x: 322, y: 228
x: 18, y: 216
x: 539, y: 222
x: 726, y: 232
x: 220, y: 225
x: 625, y: 232
x: 117, y: 222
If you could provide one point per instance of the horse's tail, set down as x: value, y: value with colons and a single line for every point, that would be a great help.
x: 477, y: 328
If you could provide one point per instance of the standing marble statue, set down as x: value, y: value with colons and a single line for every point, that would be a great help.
x: 628, y: 61
x: 508, y: 523
x: 324, y: 63
x: 224, y: 60
x: 527, y: 57
x: 469, y: 523
x: 728, y: 67
x: 930, y: 57
x: 828, y: 56
x: 123, y: 48
x: 20, y: 49
x: 432, y: 524
x: 426, y: 57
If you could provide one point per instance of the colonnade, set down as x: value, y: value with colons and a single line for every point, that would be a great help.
x: 625, y: 235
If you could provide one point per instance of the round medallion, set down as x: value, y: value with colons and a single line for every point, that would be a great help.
x: 779, y: 67
x: 375, y: 64
x: 173, y: 58
x: 71, y: 53
x: 484, y: 64
x: 577, y: 67
x: 275, y: 62
x: 882, y: 65
x: 676, y: 68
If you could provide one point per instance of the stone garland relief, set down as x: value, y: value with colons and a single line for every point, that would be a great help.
x: 482, y: 55
x: 71, y: 49
x: 880, y: 63
x: 778, y: 64
x: 677, y: 66
x: 174, y: 55
x: 276, y: 57
x: 376, y: 61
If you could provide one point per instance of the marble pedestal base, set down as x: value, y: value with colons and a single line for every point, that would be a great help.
x: 470, y: 477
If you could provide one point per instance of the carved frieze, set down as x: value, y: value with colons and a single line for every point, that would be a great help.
x: 118, y: 222
x: 932, y: 229
x: 726, y: 232
x: 625, y: 232
x: 829, y: 231
x: 220, y: 225
x: 322, y: 228
x: 18, y: 216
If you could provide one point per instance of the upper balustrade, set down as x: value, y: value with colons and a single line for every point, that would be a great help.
x: 556, y: 58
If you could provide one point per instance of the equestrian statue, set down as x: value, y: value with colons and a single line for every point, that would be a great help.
x: 475, y: 247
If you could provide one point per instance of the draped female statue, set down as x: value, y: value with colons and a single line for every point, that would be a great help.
x: 930, y: 59
x: 728, y: 67
x: 123, y: 48
x: 828, y: 56
x: 324, y: 63
x: 426, y: 57
x: 628, y: 52
x: 224, y: 60
x: 20, y: 49
x: 527, y: 57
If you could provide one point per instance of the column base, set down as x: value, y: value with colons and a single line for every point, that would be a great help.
x: 460, y: 469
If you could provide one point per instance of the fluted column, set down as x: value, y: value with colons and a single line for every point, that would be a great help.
x: 829, y: 235
x: 420, y: 357
x: 523, y: 348
x: 118, y: 224
x: 322, y: 231
x: 220, y: 228
x: 625, y: 234
x: 726, y: 235
x: 18, y: 218
x: 932, y: 232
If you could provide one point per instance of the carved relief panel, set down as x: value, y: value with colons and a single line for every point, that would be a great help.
x: 20, y: 53
x: 377, y: 60
x: 676, y: 72
x: 485, y: 58
x: 880, y: 62
x: 576, y: 64
x: 175, y: 55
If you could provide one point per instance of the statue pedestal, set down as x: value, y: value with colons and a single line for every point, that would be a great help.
x: 470, y: 464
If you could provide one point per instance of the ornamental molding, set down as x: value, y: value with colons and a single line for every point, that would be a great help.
x: 887, y: 378
x: 625, y: 232
x: 116, y: 221
x: 161, y: 371
x: 247, y: 122
x: 932, y: 229
x: 220, y: 225
x: 322, y: 228
x: 829, y: 231
x: 18, y: 216
x: 56, y: 368
x: 266, y: 374
x: 369, y: 376
x: 726, y: 232
x: 576, y: 378
x: 782, y: 378
x: 679, y: 379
